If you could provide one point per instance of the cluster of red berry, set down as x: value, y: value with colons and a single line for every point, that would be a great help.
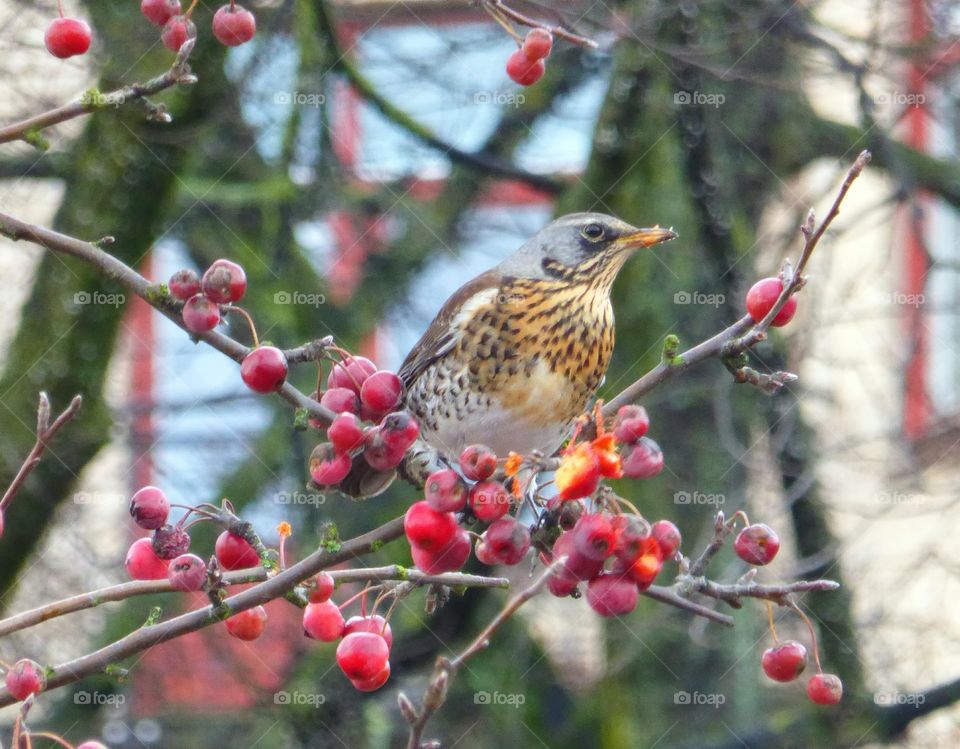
x: 232, y: 24
x: 526, y: 65
x: 358, y: 392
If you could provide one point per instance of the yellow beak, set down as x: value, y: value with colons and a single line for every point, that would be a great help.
x: 645, y: 238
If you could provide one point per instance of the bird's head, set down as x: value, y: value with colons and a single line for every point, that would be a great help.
x: 581, y: 248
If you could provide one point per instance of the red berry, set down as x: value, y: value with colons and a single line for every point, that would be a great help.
x: 375, y: 624
x: 25, y: 678
x: 235, y: 552
x: 350, y: 373
x: 345, y: 433
x: 562, y: 584
x: 67, y: 37
x: 825, y: 689
x: 379, y: 453
x: 445, y: 491
x: 478, y: 462
x: 612, y: 595
x: 577, y: 565
x: 142, y: 562
x: 784, y: 661
x: 448, y: 559
x: 200, y: 314
x: 233, y: 25
x: 92, y: 745
x: 323, y: 621
x: 324, y: 588
x: 537, y: 44
x: 594, y: 536
x: 490, y: 500
x: 327, y: 466
x: 667, y: 536
x: 264, y: 370
x: 761, y: 298
x: 187, y: 572
x: 158, y: 12
x: 524, y: 71
x: 362, y: 655
x: 579, y: 472
x: 644, y: 569
x: 176, y: 31
x: 507, y: 540
x: 428, y: 529
x: 632, y: 532
x: 484, y: 554
x: 224, y: 282
x: 374, y: 682
x: 631, y: 424
x: 184, y: 284
x: 642, y: 460
x: 170, y: 541
x: 249, y: 624
x: 757, y: 544
x: 400, y: 430
x: 340, y: 400
x: 149, y: 508
x: 381, y: 391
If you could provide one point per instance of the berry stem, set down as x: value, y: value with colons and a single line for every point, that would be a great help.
x: 773, y: 629
x: 738, y: 514
x: 354, y: 597
x: 497, y: 16
x: 242, y: 311
x: 60, y: 7
x: 54, y: 738
x: 813, y: 635
x: 190, y: 9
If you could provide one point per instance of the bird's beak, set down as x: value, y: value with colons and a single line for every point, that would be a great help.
x: 645, y: 238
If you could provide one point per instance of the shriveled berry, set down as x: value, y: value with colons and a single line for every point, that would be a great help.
x: 345, y: 433
x: 328, y: 466
x: 631, y: 424
x: 67, y: 37
x: 176, y: 31
x: 142, y: 562
x: 249, y: 624
x: 381, y: 392
x: 233, y: 25
x: 25, y: 678
x: 612, y: 595
x: 374, y: 623
x: 445, y: 491
x: 158, y: 12
x: 200, y: 314
x: 523, y: 70
x: 149, y: 508
x: 224, y: 282
x: 323, y: 588
x: 187, y: 572
x: 761, y: 298
x: 323, y: 621
x: 184, y: 284
x: 478, y: 462
x: 825, y: 689
x: 570, y: 513
x: 537, y: 44
x: 642, y: 460
x: 340, y: 400
x: 170, y: 541
x: 428, y: 529
x: 362, y: 655
x: 351, y: 373
x: 785, y: 661
x: 757, y: 544
x: 594, y: 536
x: 579, y: 472
x: 374, y: 682
x: 448, y: 559
x: 235, y: 552
x: 667, y: 536
x: 400, y: 430
x: 264, y: 370
x: 489, y: 500
x: 508, y: 540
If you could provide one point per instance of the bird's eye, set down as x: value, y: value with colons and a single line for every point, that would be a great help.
x: 593, y: 232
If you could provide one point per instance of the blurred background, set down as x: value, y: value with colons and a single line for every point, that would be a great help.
x: 362, y: 159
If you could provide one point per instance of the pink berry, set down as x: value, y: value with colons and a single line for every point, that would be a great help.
x: 375, y: 624
x: 323, y: 589
x: 25, y: 678
x: 200, y: 314
x: 323, y: 621
x: 667, y: 536
x: 340, y: 400
x: 489, y: 500
x: 484, y: 554
x: 631, y: 424
x: 170, y: 541
x: 761, y: 298
x: 445, y: 491
x: 825, y: 689
x: 374, y: 682
x: 327, y: 466
x: 149, y: 508
x: 142, y: 562
x: 92, y: 745
x: 184, y: 284
x: 187, y: 572
x: 448, y: 559
x: 594, y: 537
x: 631, y: 534
x: 784, y: 661
x: 158, y: 12
x: 478, y: 462
x: 428, y: 529
x: 537, y: 44
x: 224, y: 282
x: 757, y: 544
x: 577, y: 566
x: 1, y: 523
x: 345, y: 433
x: 264, y: 370
x: 248, y: 625
x: 235, y: 552
x: 612, y: 595
x: 507, y: 540
x: 381, y: 391
x: 524, y: 71
x: 642, y: 460
x: 400, y: 430
x: 176, y: 31
x: 379, y: 453
x: 362, y: 655
x: 67, y: 37
x: 351, y: 373
x: 561, y: 584
x: 233, y: 25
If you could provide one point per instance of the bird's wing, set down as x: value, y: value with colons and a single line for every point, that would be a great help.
x: 442, y: 335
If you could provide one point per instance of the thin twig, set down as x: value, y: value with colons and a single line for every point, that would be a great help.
x: 494, y: 6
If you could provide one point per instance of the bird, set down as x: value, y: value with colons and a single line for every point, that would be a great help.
x: 515, y: 355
